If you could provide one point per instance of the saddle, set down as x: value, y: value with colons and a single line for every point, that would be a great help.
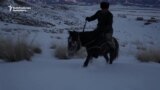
x: 101, y: 38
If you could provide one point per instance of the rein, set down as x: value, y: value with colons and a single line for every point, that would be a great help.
x: 84, y: 25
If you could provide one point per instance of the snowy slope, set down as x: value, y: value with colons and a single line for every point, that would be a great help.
x: 45, y: 72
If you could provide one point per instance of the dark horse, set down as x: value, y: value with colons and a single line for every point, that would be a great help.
x: 95, y: 46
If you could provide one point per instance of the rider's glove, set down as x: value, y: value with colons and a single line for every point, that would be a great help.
x: 87, y: 18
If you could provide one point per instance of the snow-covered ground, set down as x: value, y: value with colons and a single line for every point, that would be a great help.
x: 45, y: 72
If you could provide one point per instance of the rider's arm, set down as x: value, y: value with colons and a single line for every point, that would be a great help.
x: 94, y: 17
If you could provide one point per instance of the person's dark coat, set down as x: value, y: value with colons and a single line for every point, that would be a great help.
x: 105, y: 20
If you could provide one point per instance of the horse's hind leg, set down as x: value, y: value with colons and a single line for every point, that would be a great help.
x: 87, y: 61
x: 106, y: 58
x: 111, y: 59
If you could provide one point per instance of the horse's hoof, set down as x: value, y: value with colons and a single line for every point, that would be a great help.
x: 110, y: 62
x: 84, y: 66
x: 107, y: 62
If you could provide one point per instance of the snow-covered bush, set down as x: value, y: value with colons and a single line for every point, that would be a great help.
x: 149, y: 56
x: 17, y: 49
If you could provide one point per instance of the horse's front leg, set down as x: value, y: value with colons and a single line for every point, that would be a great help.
x: 106, y: 58
x: 87, y: 61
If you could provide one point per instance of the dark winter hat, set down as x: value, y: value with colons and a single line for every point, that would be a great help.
x: 104, y: 5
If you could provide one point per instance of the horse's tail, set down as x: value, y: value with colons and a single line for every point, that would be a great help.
x: 115, y: 53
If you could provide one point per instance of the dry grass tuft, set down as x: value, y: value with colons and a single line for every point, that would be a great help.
x: 81, y: 53
x: 61, y: 52
x: 149, y: 56
x: 17, y: 50
x: 11, y: 52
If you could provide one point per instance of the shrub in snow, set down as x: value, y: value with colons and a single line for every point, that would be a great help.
x: 122, y: 15
x: 150, y: 21
x: 151, y: 42
x: 149, y: 56
x: 123, y: 44
x: 137, y: 42
x: 147, y: 23
x: 58, y: 37
x: 53, y: 46
x: 17, y: 50
x: 36, y: 49
x: 139, y: 18
x: 153, y: 18
x: 141, y: 47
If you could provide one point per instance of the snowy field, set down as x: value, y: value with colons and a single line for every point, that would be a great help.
x: 46, y: 72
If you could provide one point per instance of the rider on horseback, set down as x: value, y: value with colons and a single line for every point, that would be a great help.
x: 105, y: 20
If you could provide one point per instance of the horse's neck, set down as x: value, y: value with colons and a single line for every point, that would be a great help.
x: 86, y: 37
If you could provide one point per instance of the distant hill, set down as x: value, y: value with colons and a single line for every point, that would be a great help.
x: 150, y: 3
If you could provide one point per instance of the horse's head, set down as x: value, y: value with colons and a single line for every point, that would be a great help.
x: 74, y: 42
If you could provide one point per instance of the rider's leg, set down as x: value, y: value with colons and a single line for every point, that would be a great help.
x: 110, y: 40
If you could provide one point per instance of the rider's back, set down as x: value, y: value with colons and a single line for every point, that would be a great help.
x: 105, y: 20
